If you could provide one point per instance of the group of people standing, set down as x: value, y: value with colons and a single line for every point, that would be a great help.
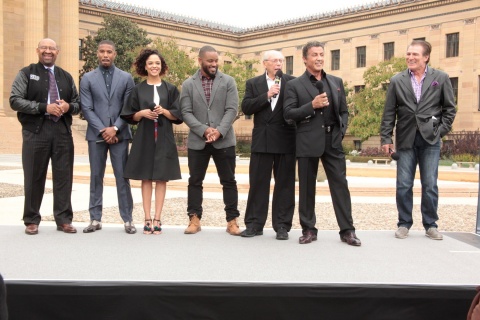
x: 296, y: 120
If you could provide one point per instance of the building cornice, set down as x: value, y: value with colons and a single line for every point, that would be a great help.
x: 170, y: 22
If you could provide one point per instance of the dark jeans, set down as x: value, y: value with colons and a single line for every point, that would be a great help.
x: 427, y: 157
x: 225, y: 162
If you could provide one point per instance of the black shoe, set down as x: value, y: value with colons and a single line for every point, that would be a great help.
x: 250, y: 232
x: 350, y: 238
x: 282, y: 234
x: 307, y: 237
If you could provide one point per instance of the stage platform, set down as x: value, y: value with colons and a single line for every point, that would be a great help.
x: 213, y: 275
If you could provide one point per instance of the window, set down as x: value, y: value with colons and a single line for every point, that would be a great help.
x: 359, y: 88
x: 453, y: 43
x: 289, y: 65
x: 361, y: 57
x: 335, y: 59
x: 388, y: 51
x: 80, y: 46
x: 358, y: 144
x: 454, y: 82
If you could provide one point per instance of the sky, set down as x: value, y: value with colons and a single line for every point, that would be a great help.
x: 246, y: 13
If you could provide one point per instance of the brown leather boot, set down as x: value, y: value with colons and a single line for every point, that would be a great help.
x: 232, y: 227
x: 194, y: 225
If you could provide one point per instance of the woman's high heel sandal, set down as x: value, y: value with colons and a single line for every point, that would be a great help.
x: 147, y: 228
x: 157, y: 228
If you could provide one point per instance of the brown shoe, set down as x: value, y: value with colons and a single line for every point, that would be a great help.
x: 232, y: 227
x: 31, y: 229
x: 194, y: 225
x: 67, y: 228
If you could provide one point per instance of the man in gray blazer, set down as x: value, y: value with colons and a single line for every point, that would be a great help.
x: 420, y: 104
x: 103, y: 92
x: 209, y: 104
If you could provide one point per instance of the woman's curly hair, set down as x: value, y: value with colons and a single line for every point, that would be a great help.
x: 141, y: 61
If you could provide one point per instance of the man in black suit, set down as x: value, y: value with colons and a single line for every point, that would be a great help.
x: 273, y: 146
x: 321, y: 118
x: 45, y: 98
x: 421, y: 105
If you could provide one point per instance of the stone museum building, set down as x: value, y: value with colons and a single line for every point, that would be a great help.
x: 355, y: 39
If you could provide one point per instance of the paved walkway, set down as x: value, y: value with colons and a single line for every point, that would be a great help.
x: 368, y: 183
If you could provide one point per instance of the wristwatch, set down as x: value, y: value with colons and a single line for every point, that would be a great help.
x: 115, y: 128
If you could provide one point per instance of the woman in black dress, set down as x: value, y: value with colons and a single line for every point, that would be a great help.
x: 153, y: 105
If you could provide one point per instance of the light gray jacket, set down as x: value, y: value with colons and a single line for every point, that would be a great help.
x: 219, y: 113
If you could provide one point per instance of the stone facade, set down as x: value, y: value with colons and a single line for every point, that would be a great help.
x: 367, y: 27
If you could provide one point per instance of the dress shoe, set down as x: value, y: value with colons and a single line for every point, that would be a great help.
x: 194, y: 225
x: 93, y: 226
x: 307, y: 237
x: 130, y: 227
x: 350, y: 238
x: 232, y: 227
x: 31, y: 229
x: 401, y: 233
x: 433, y: 233
x: 250, y: 232
x: 67, y: 228
x: 282, y: 234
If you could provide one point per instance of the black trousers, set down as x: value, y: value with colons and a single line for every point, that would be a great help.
x: 283, y: 200
x: 333, y: 161
x: 54, y: 141
x: 225, y: 163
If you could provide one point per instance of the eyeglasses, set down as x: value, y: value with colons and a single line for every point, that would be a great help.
x: 275, y: 60
x: 49, y: 48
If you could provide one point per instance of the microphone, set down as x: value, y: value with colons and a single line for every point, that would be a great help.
x: 278, y: 76
x: 152, y: 106
x: 319, y: 85
x: 393, y: 154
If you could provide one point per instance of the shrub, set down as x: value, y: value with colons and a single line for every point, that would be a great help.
x: 465, y: 157
x: 373, y: 152
x: 461, y: 144
x: 243, y: 147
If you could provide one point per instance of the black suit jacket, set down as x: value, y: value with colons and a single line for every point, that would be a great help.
x: 298, y: 107
x: 433, y: 115
x: 271, y: 133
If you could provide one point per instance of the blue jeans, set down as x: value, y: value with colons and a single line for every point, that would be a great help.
x: 427, y: 157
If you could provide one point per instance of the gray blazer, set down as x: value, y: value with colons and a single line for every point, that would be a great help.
x: 433, y: 115
x: 102, y: 110
x: 220, y: 113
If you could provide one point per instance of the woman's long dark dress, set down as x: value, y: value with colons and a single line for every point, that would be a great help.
x: 149, y: 160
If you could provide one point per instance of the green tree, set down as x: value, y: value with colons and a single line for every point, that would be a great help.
x: 366, y: 106
x: 180, y: 65
x: 241, y: 71
x: 127, y: 37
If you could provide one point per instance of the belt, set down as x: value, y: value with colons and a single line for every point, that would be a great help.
x: 329, y: 129
x: 50, y: 117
